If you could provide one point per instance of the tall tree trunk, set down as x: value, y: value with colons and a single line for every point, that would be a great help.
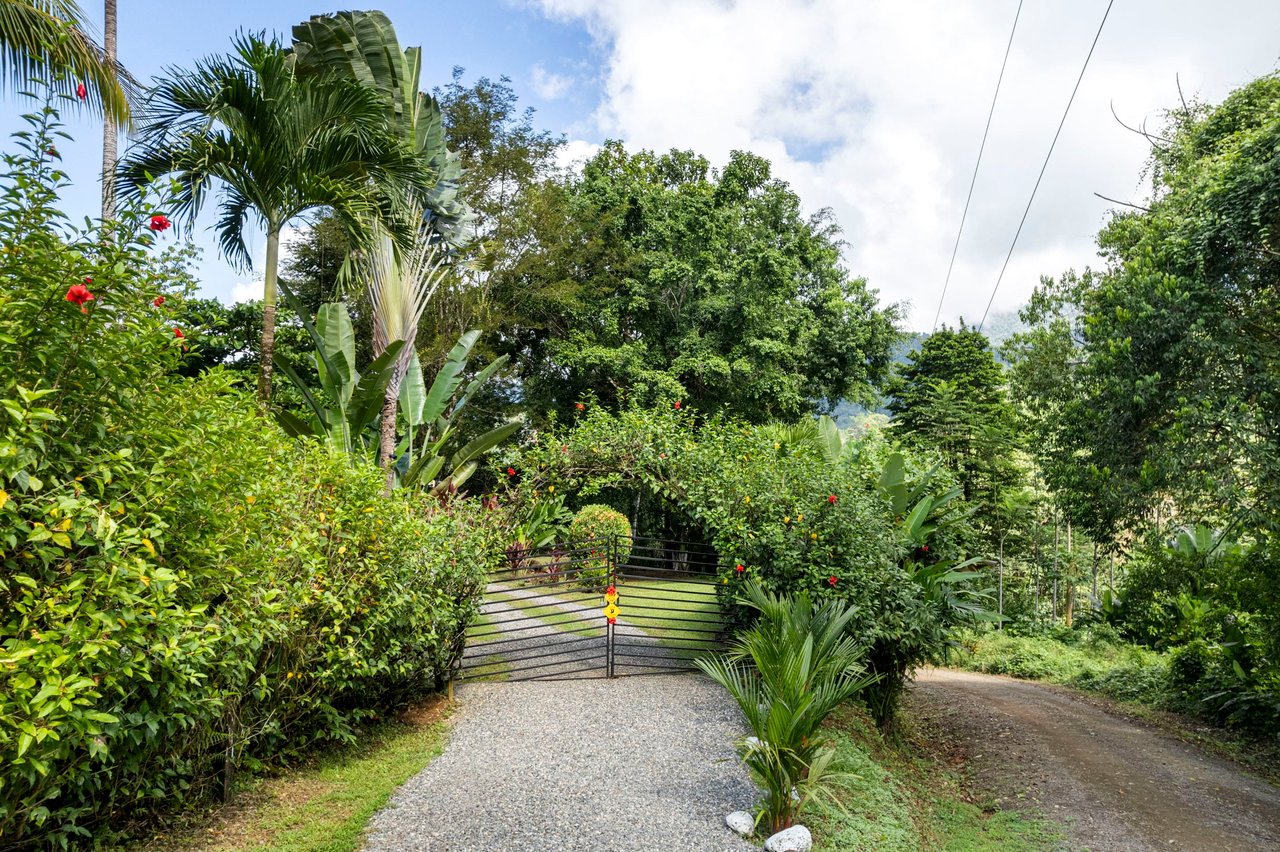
x: 387, y: 434
x: 1095, y: 603
x: 1070, y: 593
x: 110, y: 133
x: 269, y: 313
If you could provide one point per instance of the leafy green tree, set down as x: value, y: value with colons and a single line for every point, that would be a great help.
x: 656, y: 278
x: 1175, y: 403
x: 950, y: 396
x: 278, y: 145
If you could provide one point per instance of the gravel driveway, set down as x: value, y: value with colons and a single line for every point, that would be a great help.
x: 636, y: 763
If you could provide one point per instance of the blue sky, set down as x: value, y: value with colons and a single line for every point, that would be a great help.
x: 872, y: 109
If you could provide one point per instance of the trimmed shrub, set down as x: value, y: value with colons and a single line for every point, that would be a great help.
x: 604, y: 524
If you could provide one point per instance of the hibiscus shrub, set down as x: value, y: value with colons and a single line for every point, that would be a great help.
x: 183, y: 589
x: 776, y: 506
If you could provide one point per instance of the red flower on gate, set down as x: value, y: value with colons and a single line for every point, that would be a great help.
x: 78, y: 294
x: 832, y: 580
x: 81, y: 91
x: 159, y: 223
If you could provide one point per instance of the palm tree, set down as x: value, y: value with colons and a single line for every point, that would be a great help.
x: 46, y: 39
x: 110, y: 130
x: 278, y: 144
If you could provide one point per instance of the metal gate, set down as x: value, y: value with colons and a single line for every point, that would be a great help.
x: 597, y: 608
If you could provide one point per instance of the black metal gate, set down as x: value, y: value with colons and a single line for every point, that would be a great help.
x: 598, y: 608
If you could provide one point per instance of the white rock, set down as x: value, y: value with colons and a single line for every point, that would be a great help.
x: 794, y: 839
x: 741, y: 822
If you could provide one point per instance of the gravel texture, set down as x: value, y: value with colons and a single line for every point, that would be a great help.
x: 637, y: 763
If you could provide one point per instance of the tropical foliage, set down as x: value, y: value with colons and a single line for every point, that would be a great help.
x: 185, y: 590
x: 788, y: 672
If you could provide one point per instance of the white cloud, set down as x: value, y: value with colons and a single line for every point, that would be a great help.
x: 246, y: 291
x: 573, y: 153
x: 876, y: 110
x: 548, y: 85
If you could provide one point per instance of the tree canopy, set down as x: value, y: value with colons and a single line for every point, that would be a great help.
x: 654, y: 276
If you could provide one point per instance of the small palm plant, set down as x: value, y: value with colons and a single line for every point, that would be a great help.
x: 787, y: 672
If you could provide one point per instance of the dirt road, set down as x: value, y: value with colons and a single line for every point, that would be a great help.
x: 1114, y: 784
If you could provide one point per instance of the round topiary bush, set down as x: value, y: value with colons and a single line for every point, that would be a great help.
x: 603, y: 524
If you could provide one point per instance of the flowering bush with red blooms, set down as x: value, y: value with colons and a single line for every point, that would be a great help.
x: 768, y: 500
x: 180, y: 581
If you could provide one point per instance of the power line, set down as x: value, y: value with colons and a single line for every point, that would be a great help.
x: 974, y: 179
x: 1046, y: 163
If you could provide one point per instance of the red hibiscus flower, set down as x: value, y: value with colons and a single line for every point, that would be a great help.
x: 159, y: 223
x: 81, y: 91
x: 158, y: 301
x: 511, y: 471
x: 580, y: 407
x: 832, y: 580
x: 177, y: 332
x: 831, y: 499
x: 677, y: 406
x: 611, y: 591
x: 739, y: 568
x: 78, y: 294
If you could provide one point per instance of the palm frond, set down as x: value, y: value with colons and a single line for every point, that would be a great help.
x: 48, y: 40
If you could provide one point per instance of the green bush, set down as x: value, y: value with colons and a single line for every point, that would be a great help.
x: 183, y: 589
x: 787, y: 673
x: 597, y: 524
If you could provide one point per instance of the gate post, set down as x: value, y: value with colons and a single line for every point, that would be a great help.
x: 610, y: 582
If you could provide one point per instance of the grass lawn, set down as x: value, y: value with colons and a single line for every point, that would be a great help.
x: 323, y: 807
x: 900, y: 797
x: 678, y: 613
x: 549, y: 614
x: 668, y: 610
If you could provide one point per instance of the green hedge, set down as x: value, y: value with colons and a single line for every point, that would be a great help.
x: 183, y: 589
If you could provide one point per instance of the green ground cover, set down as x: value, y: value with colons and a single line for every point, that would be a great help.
x: 899, y: 797
x: 323, y: 807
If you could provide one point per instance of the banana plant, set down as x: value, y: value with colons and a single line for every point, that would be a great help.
x: 346, y: 410
x: 430, y: 466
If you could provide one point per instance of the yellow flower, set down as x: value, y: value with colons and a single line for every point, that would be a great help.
x: 777, y: 446
x: 146, y: 542
x: 787, y: 519
x: 551, y: 489
x: 799, y: 517
x: 251, y: 499
x: 813, y: 536
x: 342, y: 550
x: 746, y: 499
